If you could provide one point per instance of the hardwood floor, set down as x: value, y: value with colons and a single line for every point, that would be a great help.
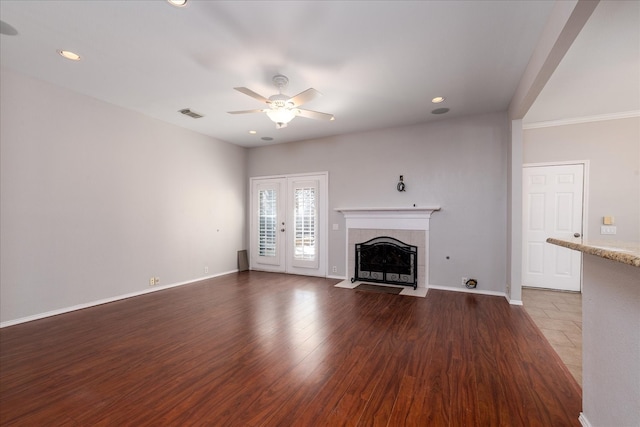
x: 264, y: 349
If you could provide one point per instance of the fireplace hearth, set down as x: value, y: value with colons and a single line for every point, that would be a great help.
x: 386, y: 260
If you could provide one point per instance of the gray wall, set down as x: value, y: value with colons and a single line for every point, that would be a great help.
x: 610, y: 343
x: 613, y: 150
x: 459, y: 165
x: 96, y: 199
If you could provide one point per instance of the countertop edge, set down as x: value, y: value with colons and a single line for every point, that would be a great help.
x: 629, y: 258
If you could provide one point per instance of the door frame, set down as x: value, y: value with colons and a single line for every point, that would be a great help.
x: 323, y: 220
x: 585, y: 202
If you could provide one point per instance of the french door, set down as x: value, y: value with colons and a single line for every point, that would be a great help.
x: 289, y: 223
x: 552, y: 207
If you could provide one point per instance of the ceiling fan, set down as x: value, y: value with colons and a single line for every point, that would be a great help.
x: 282, y: 108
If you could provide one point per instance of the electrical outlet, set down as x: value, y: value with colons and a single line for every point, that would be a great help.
x: 334, y: 269
x: 206, y: 270
x: 152, y: 281
x: 156, y: 280
x: 464, y: 281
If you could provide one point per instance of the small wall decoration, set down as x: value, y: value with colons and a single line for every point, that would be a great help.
x: 400, y: 185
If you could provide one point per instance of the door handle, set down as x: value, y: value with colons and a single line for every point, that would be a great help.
x: 576, y: 234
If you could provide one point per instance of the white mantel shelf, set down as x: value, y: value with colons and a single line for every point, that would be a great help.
x: 388, y: 211
x: 400, y: 209
x: 408, y: 218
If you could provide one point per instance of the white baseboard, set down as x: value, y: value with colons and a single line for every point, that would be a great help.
x: 336, y: 277
x: 469, y: 291
x: 105, y: 301
x: 583, y: 420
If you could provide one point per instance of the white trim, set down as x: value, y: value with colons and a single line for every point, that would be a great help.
x: 106, y: 300
x: 583, y: 420
x: 336, y: 277
x: 586, y: 119
x: 469, y: 291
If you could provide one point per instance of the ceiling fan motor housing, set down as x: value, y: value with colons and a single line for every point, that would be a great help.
x: 280, y: 101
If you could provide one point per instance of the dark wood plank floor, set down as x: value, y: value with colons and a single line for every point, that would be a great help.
x: 263, y: 349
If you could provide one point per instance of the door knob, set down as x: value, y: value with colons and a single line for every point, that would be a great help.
x: 576, y: 234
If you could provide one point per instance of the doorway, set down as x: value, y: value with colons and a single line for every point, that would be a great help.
x: 289, y: 224
x: 553, y: 205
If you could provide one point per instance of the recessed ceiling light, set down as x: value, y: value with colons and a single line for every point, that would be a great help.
x: 440, y: 111
x: 437, y: 99
x: 266, y: 138
x: 252, y: 132
x: 178, y: 3
x: 69, y: 55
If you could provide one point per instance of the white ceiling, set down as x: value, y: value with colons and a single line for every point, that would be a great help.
x: 378, y: 63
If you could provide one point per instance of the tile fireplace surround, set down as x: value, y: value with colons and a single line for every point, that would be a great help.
x: 409, y: 225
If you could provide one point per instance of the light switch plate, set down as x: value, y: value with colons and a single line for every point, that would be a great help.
x: 608, y: 229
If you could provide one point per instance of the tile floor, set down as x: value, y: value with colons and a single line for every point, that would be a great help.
x: 559, y: 317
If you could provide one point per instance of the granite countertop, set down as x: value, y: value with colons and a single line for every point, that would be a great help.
x: 624, y: 252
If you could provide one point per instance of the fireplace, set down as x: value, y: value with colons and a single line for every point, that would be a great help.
x: 408, y: 225
x: 386, y: 260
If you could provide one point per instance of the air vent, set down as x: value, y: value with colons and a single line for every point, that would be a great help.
x: 192, y: 114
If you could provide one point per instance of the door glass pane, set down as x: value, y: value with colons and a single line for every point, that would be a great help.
x: 305, y: 218
x: 267, y: 223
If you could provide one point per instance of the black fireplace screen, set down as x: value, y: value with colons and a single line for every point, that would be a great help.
x: 386, y: 260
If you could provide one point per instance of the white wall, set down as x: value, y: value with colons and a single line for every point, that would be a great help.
x: 96, y: 199
x: 613, y: 149
x: 459, y: 165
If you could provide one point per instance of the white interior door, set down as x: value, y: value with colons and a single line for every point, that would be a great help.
x: 289, y: 222
x: 552, y: 207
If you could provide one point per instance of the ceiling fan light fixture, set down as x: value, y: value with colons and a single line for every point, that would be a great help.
x: 177, y: 3
x: 281, y: 116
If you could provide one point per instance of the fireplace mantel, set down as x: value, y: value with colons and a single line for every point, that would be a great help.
x: 426, y: 210
x: 412, y: 223
x: 402, y: 218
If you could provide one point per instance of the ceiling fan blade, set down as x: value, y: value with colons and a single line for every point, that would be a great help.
x: 314, y: 115
x: 304, y: 97
x: 252, y: 94
x: 247, y: 111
